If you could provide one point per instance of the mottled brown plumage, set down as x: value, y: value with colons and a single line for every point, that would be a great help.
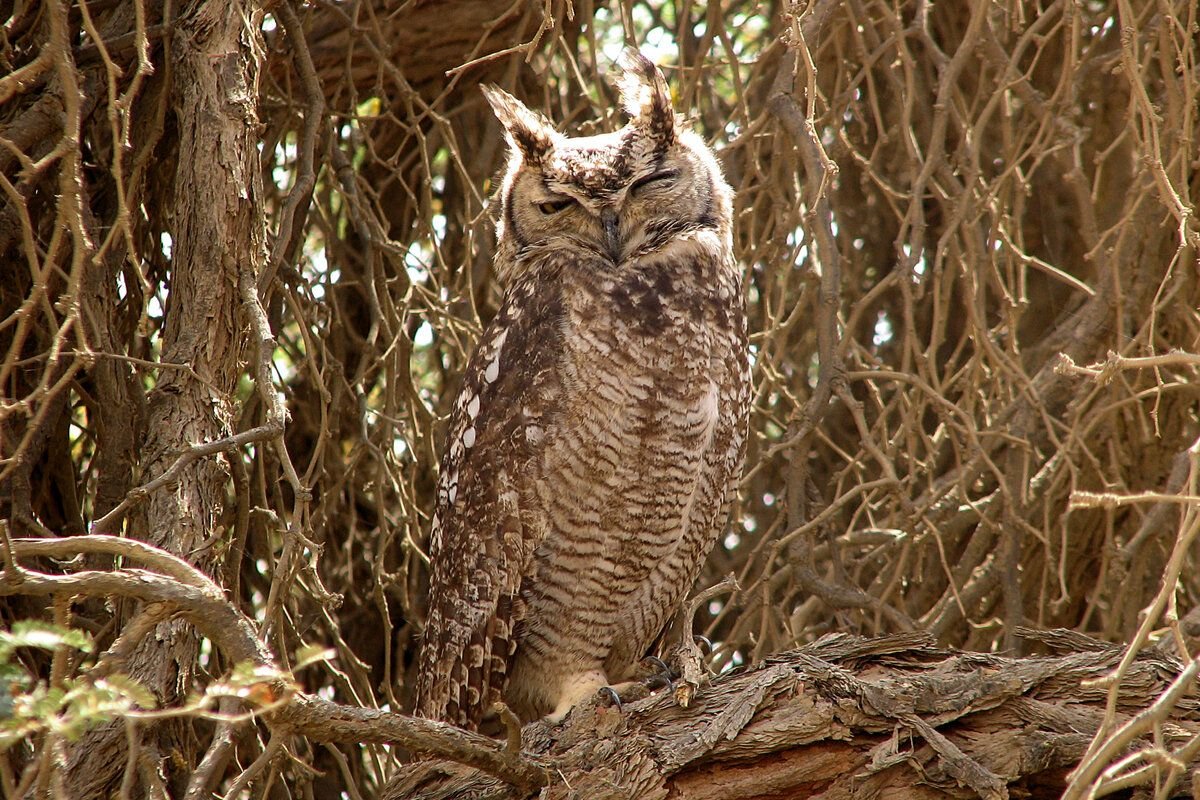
x: 599, y: 433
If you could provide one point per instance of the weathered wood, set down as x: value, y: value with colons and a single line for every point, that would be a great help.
x: 215, y: 56
x: 844, y: 717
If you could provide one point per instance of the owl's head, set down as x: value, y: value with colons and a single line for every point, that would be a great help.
x: 616, y: 195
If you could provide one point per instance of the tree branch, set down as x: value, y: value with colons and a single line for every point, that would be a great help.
x: 202, y: 603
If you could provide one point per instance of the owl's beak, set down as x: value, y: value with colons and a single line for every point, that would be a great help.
x: 612, y: 232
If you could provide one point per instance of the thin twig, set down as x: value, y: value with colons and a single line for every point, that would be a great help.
x: 204, y: 605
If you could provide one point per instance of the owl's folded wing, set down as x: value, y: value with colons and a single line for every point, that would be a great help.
x: 483, y: 534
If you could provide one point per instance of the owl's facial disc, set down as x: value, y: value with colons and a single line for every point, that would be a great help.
x: 620, y: 196
x: 613, y: 195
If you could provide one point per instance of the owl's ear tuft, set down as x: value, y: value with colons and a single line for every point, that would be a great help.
x: 646, y: 98
x: 528, y: 131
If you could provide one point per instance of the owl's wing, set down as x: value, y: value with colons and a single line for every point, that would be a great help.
x: 484, y: 532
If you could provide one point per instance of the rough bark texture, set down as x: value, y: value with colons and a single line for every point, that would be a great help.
x: 215, y: 200
x: 844, y: 717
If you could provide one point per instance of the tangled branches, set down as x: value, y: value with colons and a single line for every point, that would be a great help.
x: 246, y: 251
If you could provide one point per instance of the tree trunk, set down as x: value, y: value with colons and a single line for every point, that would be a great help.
x: 214, y: 58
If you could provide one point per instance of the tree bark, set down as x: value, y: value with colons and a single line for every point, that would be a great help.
x: 845, y: 717
x: 215, y: 57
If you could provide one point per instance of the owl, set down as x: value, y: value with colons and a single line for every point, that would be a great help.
x: 599, y: 433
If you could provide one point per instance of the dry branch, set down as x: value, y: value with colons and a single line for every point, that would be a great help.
x: 846, y: 717
x: 243, y: 257
x: 198, y: 599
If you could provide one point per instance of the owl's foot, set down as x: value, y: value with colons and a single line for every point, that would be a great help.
x: 663, y: 678
x: 594, y: 684
x: 630, y: 691
x: 616, y: 696
x: 605, y: 696
x: 574, y: 690
x: 609, y: 694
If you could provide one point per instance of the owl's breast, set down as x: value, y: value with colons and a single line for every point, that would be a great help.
x: 631, y: 469
x: 683, y: 291
x: 629, y: 434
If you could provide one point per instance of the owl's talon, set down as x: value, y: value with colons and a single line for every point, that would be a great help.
x: 658, y: 681
x: 658, y: 662
x: 706, y: 645
x: 664, y: 678
x: 611, y: 694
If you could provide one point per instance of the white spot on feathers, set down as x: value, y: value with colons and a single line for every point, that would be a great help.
x: 493, y: 368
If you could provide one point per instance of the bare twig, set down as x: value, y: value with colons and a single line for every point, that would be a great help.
x: 203, y: 604
x: 222, y: 445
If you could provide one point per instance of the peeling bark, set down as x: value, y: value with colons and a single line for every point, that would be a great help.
x: 216, y: 55
x: 845, y: 717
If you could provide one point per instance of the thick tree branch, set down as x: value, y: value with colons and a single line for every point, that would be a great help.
x: 850, y: 717
x: 203, y: 604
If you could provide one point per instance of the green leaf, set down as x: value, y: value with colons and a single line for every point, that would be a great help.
x: 312, y: 654
x: 42, y: 635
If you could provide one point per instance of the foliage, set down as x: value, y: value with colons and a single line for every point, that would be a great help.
x: 32, y: 707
